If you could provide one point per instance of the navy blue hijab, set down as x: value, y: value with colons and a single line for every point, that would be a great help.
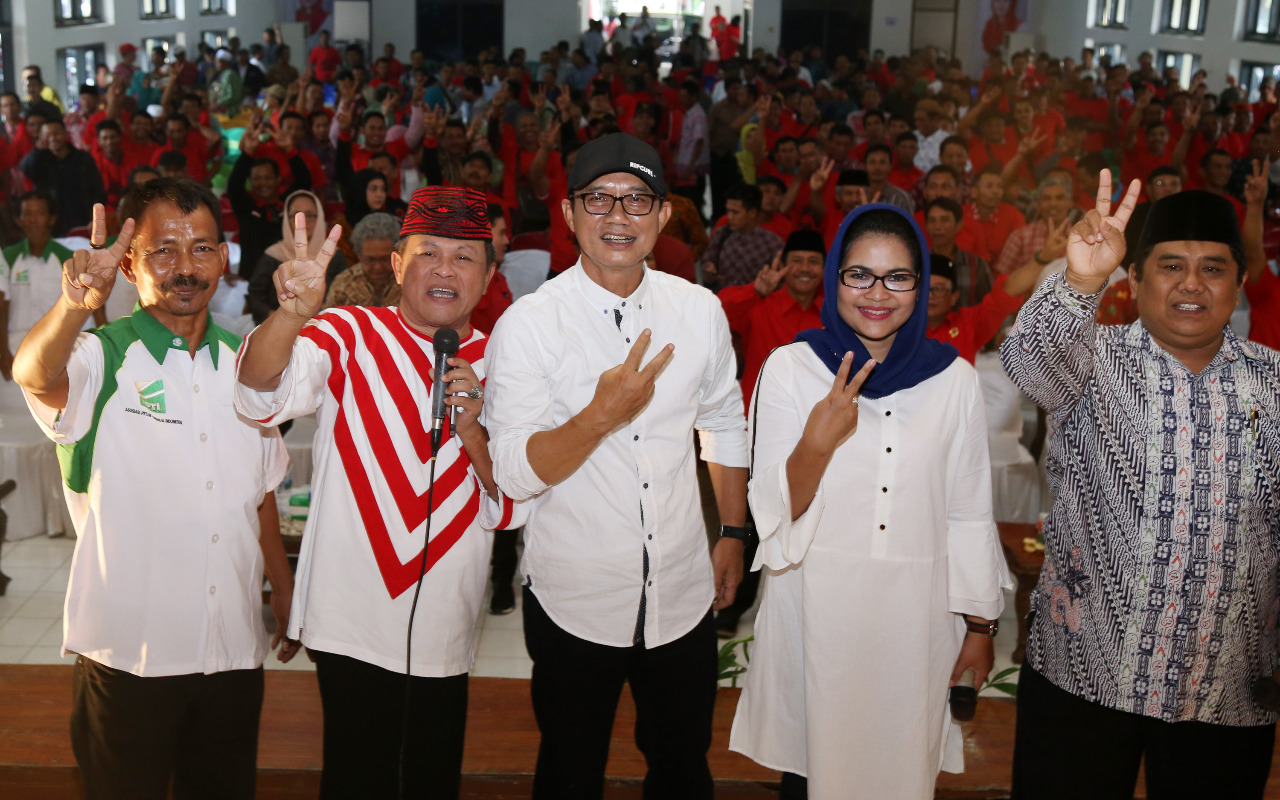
x: 912, y: 358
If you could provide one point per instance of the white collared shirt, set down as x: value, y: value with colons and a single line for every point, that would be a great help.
x: 587, y: 536
x: 163, y: 481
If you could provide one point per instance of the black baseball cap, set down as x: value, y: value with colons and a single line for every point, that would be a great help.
x: 618, y: 152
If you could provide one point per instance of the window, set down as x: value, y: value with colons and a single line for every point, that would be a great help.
x: 1263, y: 22
x: 214, y: 39
x: 213, y: 6
x: 164, y: 42
x: 77, y: 12
x: 6, y: 54
x: 1251, y: 75
x: 157, y: 9
x: 1114, y: 52
x: 1111, y: 14
x: 78, y: 65
x: 1186, y: 63
x: 1183, y: 16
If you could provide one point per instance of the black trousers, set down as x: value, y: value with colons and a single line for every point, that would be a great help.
x: 132, y: 736
x: 1067, y: 748
x: 576, y: 685
x: 364, y: 709
x: 504, y: 558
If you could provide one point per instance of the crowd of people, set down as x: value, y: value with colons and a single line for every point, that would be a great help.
x: 867, y: 228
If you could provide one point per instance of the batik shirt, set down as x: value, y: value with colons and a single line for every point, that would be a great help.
x: 1158, y: 592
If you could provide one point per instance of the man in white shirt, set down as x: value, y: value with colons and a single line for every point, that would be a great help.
x: 367, y: 373
x: 172, y: 497
x: 618, y: 583
x: 622, y: 37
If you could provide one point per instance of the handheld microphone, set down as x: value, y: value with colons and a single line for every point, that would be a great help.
x: 446, y: 347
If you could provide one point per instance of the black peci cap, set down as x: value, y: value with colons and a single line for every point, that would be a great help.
x: 618, y: 152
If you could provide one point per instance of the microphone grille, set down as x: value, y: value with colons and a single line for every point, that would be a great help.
x: 446, y: 341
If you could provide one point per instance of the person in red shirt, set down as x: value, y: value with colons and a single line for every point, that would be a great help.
x: 974, y: 276
x: 995, y: 143
x: 283, y: 146
x: 527, y: 158
x: 109, y: 156
x: 905, y: 174
x: 873, y: 123
x: 996, y: 218
x: 969, y: 329
x: 1215, y: 168
x: 772, y: 191
x: 783, y: 162
x: 354, y: 156
x: 1262, y: 287
x: 139, y: 146
x: 178, y: 138
x: 941, y: 183
x: 1154, y: 151
x: 324, y: 60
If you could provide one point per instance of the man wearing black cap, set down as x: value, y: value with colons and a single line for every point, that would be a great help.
x: 594, y: 431
x: 1155, y: 613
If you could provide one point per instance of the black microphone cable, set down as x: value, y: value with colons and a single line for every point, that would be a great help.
x: 445, y: 346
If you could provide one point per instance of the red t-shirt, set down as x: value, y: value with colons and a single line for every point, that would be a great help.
x: 982, y: 152
x: 324, y: 63
x: 196, y: 153
x: 764, y: 323
x: 968, y: 329
x: 1264, y: 309
x: 114, y: 177
x: 137, y: 155
x: 1095, y: 109
x: 995, y: 230
x: 1138, y: 163
x: 272, y: 151
x: 969, y: 238
x: 905, y: 179
x: 495, y: 300
x: 778, y: 223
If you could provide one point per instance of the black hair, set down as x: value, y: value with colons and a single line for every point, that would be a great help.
x: 138, y: 170
x: 840, y: 129
x: 184, y: 193
x: 903, y: 137
x: 1161, y: 171
x: 370, y: 114
x: 746, y: 193
x: 941, y: 169
x: 173, y: 159
x: 883, y: 222
x: 50, y: 206
x: 879, y: 147
x: 946, y: 204
x: 990, y: 169
x: 108, y: 125
x: 292, y: 115
x: 1092, y: 163
x: 1217, y: 151
x: 139, y: 113
x: 266, y: 162
x: 873, y: 112
x: 383, y: 154
x: 178, y: 118
x: 771, y: 180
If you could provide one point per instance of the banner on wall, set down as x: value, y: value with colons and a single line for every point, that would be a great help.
x: 317, y: 15
x: 995, y: 19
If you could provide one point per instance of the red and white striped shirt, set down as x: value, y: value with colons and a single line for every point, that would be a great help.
x: 367, y: 374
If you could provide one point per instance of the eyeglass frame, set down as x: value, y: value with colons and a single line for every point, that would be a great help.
x: 874, y: 277
x: 617, y: 198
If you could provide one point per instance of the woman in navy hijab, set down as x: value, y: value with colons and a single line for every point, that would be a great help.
x: 871, y: 491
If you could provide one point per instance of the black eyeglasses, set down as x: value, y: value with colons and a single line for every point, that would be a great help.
x: 601, y: 204
x: 860, y: 278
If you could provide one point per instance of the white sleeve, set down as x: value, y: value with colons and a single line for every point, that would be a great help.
x: 85, y: 373
x: 275, y: 459
x: 301, y: 389
x: 517, y: 403
x: 976, y: 567
x: 721, y: 430
x: 775, y: 427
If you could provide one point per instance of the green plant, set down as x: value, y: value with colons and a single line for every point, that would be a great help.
x: 1003, y: 681
x: 730, y: 669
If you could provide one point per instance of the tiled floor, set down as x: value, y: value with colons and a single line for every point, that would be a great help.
x: 31, y: 617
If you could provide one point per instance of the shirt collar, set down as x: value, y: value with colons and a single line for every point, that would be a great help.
x: 159, y: 340
x: 605, y: 300
x: 1232, y: 349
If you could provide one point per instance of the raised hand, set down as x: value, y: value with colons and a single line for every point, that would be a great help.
x: 250, y: 139
x: 818, y: 180
x: 345, y: 112
x: 771, y: 276
x: 87, y: 277
x: 550, y: 137
x: 538, y: 99
x: 1255, y: 186
x: 835, y: 417
x: 300, y: 283
x: 1030, y: 142
x: 623, y: 391
x: 433, y: 123
x: 991, y: 96
x: 1190, y: 122
x: 1096, y: 245
x: 1055, y: 245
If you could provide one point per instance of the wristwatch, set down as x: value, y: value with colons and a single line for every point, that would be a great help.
x: 986, y: 628
x: 742, y: 534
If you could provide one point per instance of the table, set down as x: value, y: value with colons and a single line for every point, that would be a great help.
x: 1025, y: 567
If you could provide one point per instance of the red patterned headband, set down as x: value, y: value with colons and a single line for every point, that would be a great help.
x: 447, y: 211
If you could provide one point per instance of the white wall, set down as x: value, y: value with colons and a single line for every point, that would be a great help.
x: 891, y: 26
x: 36, y: 40
x: 1061, y: 27
x: 536, y: 25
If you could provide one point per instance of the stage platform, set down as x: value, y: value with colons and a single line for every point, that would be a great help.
x: 502, y: 742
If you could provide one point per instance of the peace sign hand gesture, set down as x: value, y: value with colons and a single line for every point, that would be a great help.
x: 1096, y: 246
x: 87, y: 277
x: 624, y: 391
x: 300, y: 283
x: 818, y: 181
x: 835, y: 417
x: 769, y: 278
x: 1255, y: 186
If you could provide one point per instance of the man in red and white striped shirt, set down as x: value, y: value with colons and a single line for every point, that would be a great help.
x: 367, y: 373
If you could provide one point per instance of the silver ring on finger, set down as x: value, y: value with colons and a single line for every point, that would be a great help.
x: 855, y: 399
x: 476, y: 393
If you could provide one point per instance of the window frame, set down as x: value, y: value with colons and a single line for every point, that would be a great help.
x: 169, y: 13
x: 1197, y: 61
x: 1111, y: 14
x: 71, y: 88
x: 207, y: 11
x: 204, y: 37
x: 1251, y: 22
x: 78, y: 17
x: 1246, y: 79
x: 1183, y: 26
